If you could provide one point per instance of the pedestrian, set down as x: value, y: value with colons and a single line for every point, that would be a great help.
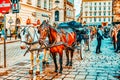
x: 3, y: 35
x: 114, y: 36
x: 99, y: 39
x: 118, y: 40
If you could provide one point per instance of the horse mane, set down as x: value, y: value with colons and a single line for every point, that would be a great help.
x: 52, y: 35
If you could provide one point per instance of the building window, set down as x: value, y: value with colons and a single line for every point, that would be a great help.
x: 45, y: 4
x: 50, y: 4
x: 95, y: 3
x: 99, y: 13
x: 57, y: 1
x: 94, y: 13
x: 90, y: 8
x: 38, y: 3
x: 95, y: 8
x: 68, y: 12
x: 90, y: 14
x: 99, y: 3
x: 108, y: 19
x: 56, y: 15
x: 99, y: 8
x: 108, y: 8
x: 85, y: 13
x: 99, y: 19
x: 108, y: 13
x: 104, y: 3
x: 94, y: 19
x: 91, y: 4
x: 104, y: 13
x: 109, y: 3
x: 104, y: 20
x: 104, y: 8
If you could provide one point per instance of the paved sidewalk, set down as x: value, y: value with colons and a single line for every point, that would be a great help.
x: 103, y: 66
x: 9, y: 41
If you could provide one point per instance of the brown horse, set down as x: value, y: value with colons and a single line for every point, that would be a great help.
x: 59, y: 41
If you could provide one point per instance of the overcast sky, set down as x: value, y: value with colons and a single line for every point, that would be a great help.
x: 77, y: 6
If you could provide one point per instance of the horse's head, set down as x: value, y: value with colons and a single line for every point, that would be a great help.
x: 28, y: 35
x: 43, y: 30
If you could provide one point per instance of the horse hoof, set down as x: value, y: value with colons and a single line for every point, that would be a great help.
x: 30, y: 71
x: 60, y: 72
x: 70, y: 64
x: 56, y: 71
x: 37, y: 72
x: 67, y: 64
x: 44, y: 62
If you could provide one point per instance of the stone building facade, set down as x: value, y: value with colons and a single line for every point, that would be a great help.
x: 62, y: 11
x: 97, y: 12
x: 116, y: 11
x: 55, y: 11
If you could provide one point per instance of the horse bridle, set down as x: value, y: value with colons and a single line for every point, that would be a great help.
x: 29, y: 34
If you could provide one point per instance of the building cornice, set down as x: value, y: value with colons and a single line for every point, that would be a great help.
x: 97, y: 17
x: 35, y: 8
x: 57, y: 8
x: 94, y: 0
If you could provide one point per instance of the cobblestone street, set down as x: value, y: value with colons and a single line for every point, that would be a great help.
x: 13, y: 53
x: 103, y: 66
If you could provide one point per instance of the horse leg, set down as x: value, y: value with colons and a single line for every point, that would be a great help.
x: 55, y: 61
x: 47, y: 58
x: 37, y: 64
x: 44, y: 62
x: 61, y: 62
x: 71, y: 54
x: 32, y: 63
x: 67, y: 56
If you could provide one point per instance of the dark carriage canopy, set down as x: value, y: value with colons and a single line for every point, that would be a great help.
x: 71, y: 24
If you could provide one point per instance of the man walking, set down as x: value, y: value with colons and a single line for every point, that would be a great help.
x: 99, y: 39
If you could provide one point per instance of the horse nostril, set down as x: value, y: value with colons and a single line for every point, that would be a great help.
x: 38, y: 31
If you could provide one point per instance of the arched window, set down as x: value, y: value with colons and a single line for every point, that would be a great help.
x: 56, y: 15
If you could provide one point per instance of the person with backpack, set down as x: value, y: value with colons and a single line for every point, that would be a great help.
x: 99, y: 39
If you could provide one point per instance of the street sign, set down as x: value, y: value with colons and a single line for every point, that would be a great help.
x: 5, y: 6
x: 15, y: 6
